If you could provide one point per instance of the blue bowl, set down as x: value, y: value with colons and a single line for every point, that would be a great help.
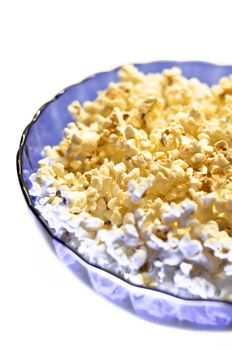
x: 46, y: 128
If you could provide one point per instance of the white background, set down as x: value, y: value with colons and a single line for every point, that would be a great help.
x: 45, y: 46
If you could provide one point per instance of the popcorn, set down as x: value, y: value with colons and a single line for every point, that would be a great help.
x: 138, y: 259
x: 119, y: 168
x: 186, y: 268
x: 190, y: 248
x: 228, y: 270
x: 131, y: 230
x: 92, y: 224
x: 181, y: 213
x: 172, y: 257
x: 129, y: 219
x: 221, y: 246
x: 137, y: 190
x: 116, y: 218
x: 77, y: 201
x: 141, y: 182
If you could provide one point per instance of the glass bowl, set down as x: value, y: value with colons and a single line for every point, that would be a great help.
x: 46, y: 128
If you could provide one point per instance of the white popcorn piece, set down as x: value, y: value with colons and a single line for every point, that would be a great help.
x: 110, y: 236
x: 136, y: 279
x: 186, y: 268
x: 131, y: 230
x: 137, y: 190
x: 80, y: 233
x: 172, y: 257
x: 181, y: 213
x: 92, y: 224
x: 89, y: 249
x: 158, y: 263
x: 202, y: 288
x: 35, y: 190
x: 190, y: 248
x: 222, y: 246
x: 138, y: 259
x: 228, y: 270
x: 118, y: 254
x: 182, y: 281
x: 44, y: 188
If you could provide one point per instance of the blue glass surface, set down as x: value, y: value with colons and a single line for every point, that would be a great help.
x: 46, y: 128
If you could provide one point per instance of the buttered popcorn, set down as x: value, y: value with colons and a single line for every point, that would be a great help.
x: 141, y: 183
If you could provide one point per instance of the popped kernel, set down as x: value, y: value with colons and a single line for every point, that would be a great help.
x: 141, y: 182
x: 92, y: 224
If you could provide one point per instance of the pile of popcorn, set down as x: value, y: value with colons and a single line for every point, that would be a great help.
x: 141, y: 184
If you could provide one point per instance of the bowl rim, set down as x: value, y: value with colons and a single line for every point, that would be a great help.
x: 117, y: 279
